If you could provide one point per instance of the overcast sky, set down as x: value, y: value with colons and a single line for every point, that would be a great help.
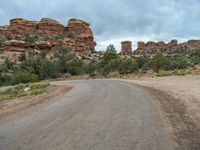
x: 115, y: 20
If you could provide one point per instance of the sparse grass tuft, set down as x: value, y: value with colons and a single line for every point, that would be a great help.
x: 23, y: 90
x: 183, y: 72
x: 162, y: 73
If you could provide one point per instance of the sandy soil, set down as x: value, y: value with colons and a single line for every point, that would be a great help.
x: 10, y: 109
x: 179, y: 97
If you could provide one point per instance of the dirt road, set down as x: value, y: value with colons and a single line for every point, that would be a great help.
x: 94, y: 115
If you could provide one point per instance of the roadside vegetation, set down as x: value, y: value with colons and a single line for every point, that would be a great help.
x: 21, y: 90
x: 35, y: 67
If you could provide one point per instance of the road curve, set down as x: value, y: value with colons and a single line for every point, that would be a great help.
x: 94, y: 115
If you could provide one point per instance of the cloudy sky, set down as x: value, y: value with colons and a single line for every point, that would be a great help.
x: 115, y: 20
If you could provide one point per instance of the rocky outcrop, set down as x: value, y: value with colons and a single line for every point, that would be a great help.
x: 126, y: 48
x: 50, y: 27
x: 82, y: 30
x: 43, y: 45
x: 50, y: 33
x: 14, y: 43
x: 153, y: 47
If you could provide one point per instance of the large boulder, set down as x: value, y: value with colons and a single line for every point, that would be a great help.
x: 43, y: 45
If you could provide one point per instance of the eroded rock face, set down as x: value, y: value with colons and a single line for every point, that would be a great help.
x: 81, y: 42
x: 50, y: 27
x: 153, y: 47
x: 82, y: 30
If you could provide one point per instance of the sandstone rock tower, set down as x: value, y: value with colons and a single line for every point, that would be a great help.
x: 126, y: 48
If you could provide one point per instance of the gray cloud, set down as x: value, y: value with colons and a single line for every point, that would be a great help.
x: 116, y: 19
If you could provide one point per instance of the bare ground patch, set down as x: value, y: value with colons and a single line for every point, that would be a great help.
x: 186, y: 131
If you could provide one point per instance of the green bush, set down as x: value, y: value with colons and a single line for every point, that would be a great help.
x: 76, y: 67
x: 195, y: 57
x: 30, y: 38
x: 2, y: 40
x: 6, y: 79
x: 115, y: 74
x: 91, y: 68
x: 22, y: 76
x: 177, y: 62
x: 141, y: 61
x: 48, y: 70
x: 127, y: 65
x: 158, y: 62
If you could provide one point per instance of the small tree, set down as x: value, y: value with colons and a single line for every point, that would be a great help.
x: 64, y: 57
x: 111, y: 49
x: 7, y: 66
x: 127, y: 65
x: 48, y: 70
x: 76, y: 67
x: 158, y: 62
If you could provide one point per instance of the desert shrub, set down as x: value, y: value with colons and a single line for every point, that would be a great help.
x: 6, y: 79
x: 91, y: 68
x: 158, y: 62
x: 12, y: 92
x: 2, y: 40
x: 76, y: 67
x: 195, y: 57
x: 23, y: 76
x: 141, y: 61
x: 48, y: 70
x: 22, y: 57
x: 30, y: 38
x: 71, y: 35
x: 127, y: 65
x: 177, y: 62
x: 114, y: 74
x: 7, y: 66
x: 64, y: 57
x: 109, y: 62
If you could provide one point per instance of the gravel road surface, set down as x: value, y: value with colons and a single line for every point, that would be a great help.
x: 94, y: 115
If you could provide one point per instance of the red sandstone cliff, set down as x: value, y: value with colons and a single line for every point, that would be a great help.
x: 82, y: 40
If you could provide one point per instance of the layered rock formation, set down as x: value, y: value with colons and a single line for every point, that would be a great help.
x: 49, y: 33
x: 153, y: 47
x: 126, y: 48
